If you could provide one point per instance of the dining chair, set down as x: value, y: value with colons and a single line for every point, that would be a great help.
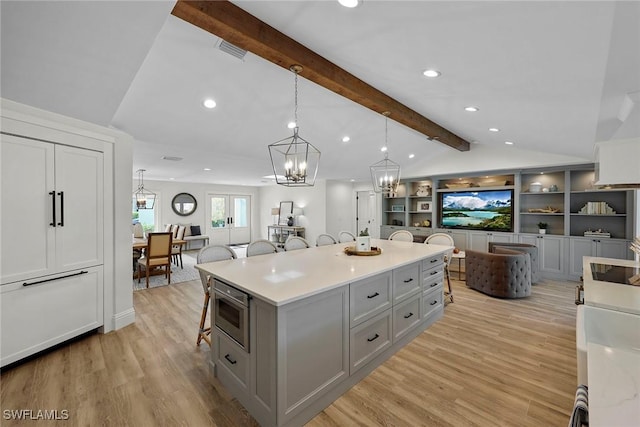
x: 345, y: 237
x: 176, y: 250
x: 158, y: 254
x: 402, y: 236
x: 209, y: 253
x: 325, y: 239
x: 445, y: 240
x: 261, y: 247
x: 295, y: 242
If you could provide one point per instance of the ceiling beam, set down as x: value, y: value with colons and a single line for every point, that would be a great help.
x: 236, y: 26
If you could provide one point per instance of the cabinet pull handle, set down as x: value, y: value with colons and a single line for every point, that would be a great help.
x: 433, y: 272
x: 233, y: 362
x: 374, y: 338
x: 409, y: 280
x: 433, y: 284
x: 435, y: 301
x: 61, y: 194
x: 54, y: 278
x: 53, y: 207
x: 373, y: 295
x: 434, y: 260
x: 406, y: 316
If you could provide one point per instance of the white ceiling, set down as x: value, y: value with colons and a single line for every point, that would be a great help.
x: 551, y: 75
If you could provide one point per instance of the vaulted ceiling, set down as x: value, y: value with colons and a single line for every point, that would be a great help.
x: 552, y: 76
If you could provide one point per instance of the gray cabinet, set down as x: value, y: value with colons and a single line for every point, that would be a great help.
x: 406, y: 281
x: 580, y: 247
x: 479, y: 240
x: 369, y: 339
x: 406, y: 316
x: 369, y: 297
x: 551, y: 253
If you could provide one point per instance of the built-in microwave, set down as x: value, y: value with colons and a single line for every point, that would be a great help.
x: 231, y: 313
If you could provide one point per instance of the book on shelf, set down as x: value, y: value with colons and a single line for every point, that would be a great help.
x: 597, y: 208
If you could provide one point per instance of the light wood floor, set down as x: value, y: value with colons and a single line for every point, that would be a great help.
x: 488, y: 362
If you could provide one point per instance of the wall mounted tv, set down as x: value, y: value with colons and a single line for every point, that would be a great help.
x: 490, y: 210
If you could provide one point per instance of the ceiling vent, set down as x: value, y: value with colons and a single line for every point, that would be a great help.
x: 171, y: 158
x: 231, y: 49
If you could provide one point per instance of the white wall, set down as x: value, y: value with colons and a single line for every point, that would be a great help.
x: 166, y: 190
x: 312, y: 199
x: 340, y: 208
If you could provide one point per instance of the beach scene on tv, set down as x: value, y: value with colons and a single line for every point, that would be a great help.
x: 480, y: 210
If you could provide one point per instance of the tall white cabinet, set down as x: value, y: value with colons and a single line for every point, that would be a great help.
x: 64, y: 230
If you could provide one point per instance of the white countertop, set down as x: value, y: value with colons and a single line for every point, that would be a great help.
x: 285, y: 277
x: 613, y: 296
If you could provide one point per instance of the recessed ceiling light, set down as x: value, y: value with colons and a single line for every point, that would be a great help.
x: 209, y: 103
x: 171, y: 179
x: 207, y: 169
x: 383, y: 149
x: 431, y: 73
x: 411, y: 156
x: 349, y: 3
x: 352, y: 180
x: 291, y: 125
x: 471, y: 109
x: 508, y: 142
x: 494, y: 130
x: 346, y: 139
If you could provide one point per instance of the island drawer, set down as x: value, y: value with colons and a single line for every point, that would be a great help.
x: 406, y: 316
x: 435, y: 261
x: 406, y: 281
x: 432, y: 278
x: 231, y: 359
x: 432, y: 300
x: 369, y: 339
x: 369, y: 297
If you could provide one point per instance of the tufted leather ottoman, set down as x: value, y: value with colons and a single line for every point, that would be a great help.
x: 505, y: 273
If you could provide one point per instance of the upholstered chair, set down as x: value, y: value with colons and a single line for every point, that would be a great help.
x: 325, y: 239
x: 505, y: 273
x: 532, y: 250
x: 402, y: 236
x: 346, y: 237
x: 261, y: 247
x: 295, y: 242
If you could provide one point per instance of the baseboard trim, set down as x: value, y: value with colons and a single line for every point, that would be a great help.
x: 124, y: 318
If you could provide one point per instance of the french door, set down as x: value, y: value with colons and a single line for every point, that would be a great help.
x: 229, y: 219
x: 366, y: 213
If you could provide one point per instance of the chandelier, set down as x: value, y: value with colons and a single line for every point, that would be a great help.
x: 294, y: 160
x: 385, y: 174
x: 144, y: 199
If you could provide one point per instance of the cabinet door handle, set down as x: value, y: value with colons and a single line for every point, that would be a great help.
x: 61, y: 194
x: 374, y: 338
x: 233, y: 362
x: 53, y: 207
x: 406, y: 316
x: 409, y: 280
x: 435, y: 301
x: 433, y: 284
x: 373, y: 295
x: 55, y: 278
x: 434, y: 260
x: 433, y: 272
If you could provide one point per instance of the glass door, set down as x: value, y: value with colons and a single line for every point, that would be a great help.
x: 229, y: 219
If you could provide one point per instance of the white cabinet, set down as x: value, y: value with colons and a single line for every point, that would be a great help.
x: 52, y: 244
x: 551, y: 253
x: 52, y: 212
x: 580, y: 247
x: 40, y: 313
x: 460, y: 237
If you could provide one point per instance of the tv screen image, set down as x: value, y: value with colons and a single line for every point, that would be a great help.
x: 477, y: 210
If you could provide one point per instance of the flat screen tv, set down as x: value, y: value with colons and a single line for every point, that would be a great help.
x: 490, y: 210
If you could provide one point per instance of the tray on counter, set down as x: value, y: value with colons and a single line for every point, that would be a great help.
x: 351, y: 250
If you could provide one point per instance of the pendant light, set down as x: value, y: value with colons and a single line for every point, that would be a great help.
x: 385, y: 174
x: 144, y: 199
x: 294, y: 160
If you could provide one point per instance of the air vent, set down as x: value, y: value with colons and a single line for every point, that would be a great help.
x: 231, y: 49
x: 171, y: 158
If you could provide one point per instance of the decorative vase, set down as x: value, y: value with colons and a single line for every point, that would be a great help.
x: 290, y: 221
x: 542, y: 230
x: 363, y: 244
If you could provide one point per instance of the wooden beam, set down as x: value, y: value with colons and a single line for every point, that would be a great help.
x: 236, y: 26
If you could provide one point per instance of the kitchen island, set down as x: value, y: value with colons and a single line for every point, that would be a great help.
x: 320, y: 321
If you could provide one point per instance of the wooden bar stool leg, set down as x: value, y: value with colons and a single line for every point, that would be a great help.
x: 203, y: 333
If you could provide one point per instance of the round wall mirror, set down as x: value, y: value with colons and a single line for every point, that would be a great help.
x: 184, y: 204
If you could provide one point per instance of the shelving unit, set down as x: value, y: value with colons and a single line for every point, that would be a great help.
x: 278, y: 234
x: 394, y: 209
x: 420, y: 204
x: 550, y: 195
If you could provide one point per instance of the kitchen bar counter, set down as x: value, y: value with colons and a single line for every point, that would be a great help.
x: 286, y: 277
x: 320, y: 321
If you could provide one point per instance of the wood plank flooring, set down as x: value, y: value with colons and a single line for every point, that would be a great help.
x: 488, y: 362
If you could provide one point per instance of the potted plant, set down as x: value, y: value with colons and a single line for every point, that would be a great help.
x: 542, y: 227
x: 363, y: 241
